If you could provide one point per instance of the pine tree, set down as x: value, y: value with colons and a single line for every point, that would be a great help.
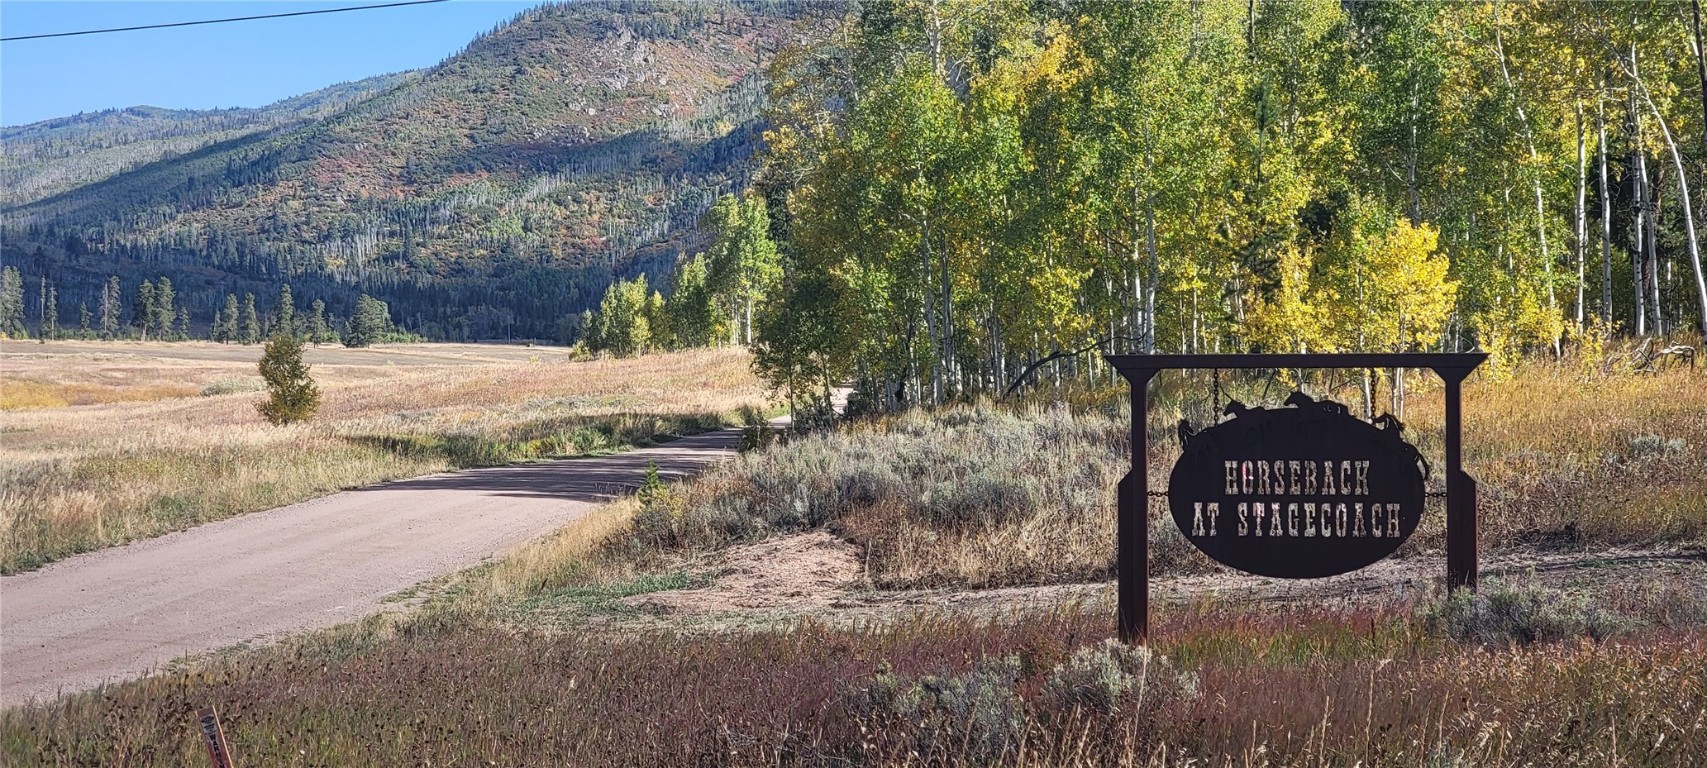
x: 164, y: 311
x: 286, y: 311
x: 291, y: 393
x: 183, y: 333
x: 250, y: 331
x: 12, y: 304
x: 589, y: 331
x: 50, y: 311
x: 83, y: 320
x: 318, y: 333
x: 227, y: 332
x: 143, y: 317
x: 112, y: 306
x: 370, y: 323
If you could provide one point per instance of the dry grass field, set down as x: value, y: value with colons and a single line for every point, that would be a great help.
x: 102, y: 443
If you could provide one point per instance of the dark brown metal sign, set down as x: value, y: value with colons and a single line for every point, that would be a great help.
x: 1297, y: 492
x: 1323, y: 439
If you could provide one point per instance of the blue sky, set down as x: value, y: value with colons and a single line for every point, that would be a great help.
x: 242, y: 64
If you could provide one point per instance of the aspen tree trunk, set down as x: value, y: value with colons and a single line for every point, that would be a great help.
x: 1652, y: 247
x: 1683, y: 192
x: 928, y: 307
x: 1138, y: 258
x: 1411, y: 171
x: 1639, y: 210
x: 946, y: 355
x: 1605, y: 215
x: 1581, y: 216
x: 1688, y: 212
x: 1148, y: 337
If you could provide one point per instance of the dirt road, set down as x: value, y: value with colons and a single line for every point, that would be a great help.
x: 117, y: 613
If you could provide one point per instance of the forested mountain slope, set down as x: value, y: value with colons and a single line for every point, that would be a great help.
x: 495, y: 194
x: 52, y: 156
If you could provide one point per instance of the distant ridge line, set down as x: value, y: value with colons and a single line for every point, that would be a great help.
x: 216, y: 21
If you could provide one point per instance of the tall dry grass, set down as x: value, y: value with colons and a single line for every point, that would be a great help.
x: 1222, y: 686
x: 1558, y: 454
x: 73, y: 479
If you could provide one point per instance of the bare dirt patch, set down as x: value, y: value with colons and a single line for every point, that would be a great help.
x: 804, y: 572
x: 819, y: 575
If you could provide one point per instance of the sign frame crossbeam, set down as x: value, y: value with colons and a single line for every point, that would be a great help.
x: 1132, y: 525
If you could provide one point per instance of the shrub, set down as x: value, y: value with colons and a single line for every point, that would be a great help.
x: 1656, y: 447
x: 1039, y: 481
x: 1503, y: 615
x: 229, y: 385
x: 291, y: 394
x: 1104, y: 676
x: 976, y: 714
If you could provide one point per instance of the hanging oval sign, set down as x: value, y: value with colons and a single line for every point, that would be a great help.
x: 1298, y: 492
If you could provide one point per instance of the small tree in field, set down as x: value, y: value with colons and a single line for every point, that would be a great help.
x: 291, y: 394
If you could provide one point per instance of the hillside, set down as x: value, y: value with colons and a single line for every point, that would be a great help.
x: 46, y: 158
x: 494, y: 194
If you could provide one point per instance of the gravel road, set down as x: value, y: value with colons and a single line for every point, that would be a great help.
x: 117, y: 613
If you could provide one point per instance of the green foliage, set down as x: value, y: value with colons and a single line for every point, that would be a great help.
x: 225, y: 322
x: 284, y: 320
x: 112, y: 307
x: 743, y: 264
x: 50, y: 312
x: 691, y: 307
x: 12, y: 304
x: 1009, y: 182
x: 318, y: 330
x: 291, y: 393
x: 146, y: 309
x: 956, y: 475
x: 163, y: 311
x: 249, y: 331
x: 623, y: 325
x: 228, y: 385
x: 370, y: 324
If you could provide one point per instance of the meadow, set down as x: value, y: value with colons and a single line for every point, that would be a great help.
x: 103, y: 443
x: 536, y: 658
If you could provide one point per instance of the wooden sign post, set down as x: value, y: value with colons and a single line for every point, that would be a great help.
x: 1302, y: 491
x: 214, y: 737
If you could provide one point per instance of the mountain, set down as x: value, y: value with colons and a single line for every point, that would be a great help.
x: 496, y: 194
x: 42, y: 159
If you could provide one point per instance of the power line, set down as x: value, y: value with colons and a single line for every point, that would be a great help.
x: 217, y: 21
